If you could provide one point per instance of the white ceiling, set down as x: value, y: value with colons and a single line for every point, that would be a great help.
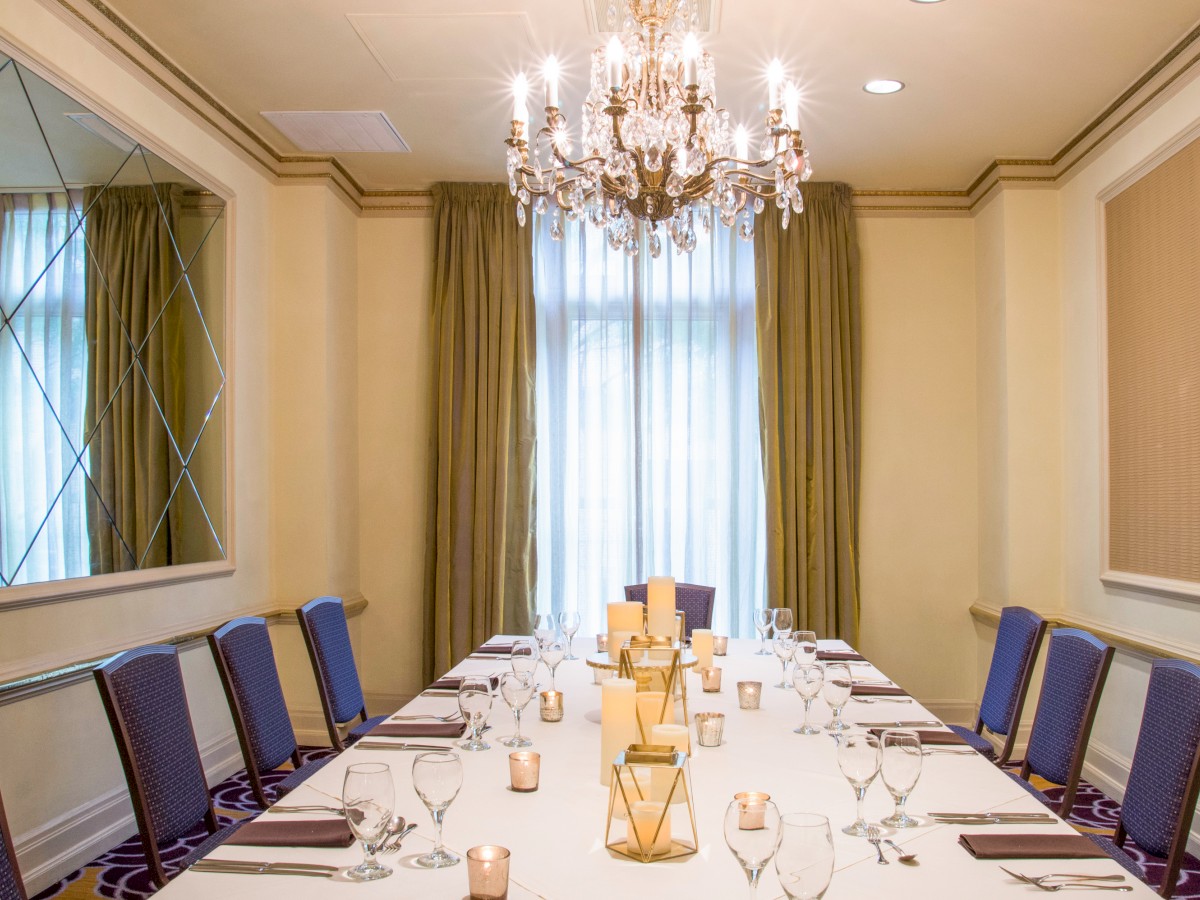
x: 985, y: 78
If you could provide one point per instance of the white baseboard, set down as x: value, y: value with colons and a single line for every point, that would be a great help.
x: 78, y: 836
x: 952, y: 712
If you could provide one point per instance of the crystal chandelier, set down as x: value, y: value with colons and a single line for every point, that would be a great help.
x: 657, y: 148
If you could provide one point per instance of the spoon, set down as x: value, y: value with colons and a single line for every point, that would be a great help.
x: 906, y: 858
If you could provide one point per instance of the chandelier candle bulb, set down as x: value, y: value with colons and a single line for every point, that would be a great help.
x: 741, y: 140
x: 691, y: 58
x: 551, y: 76
x: 676, y: 736
x: 702, y: 647
x: 791, y: 99
x: 775, y: 85
x: 520, y: 98
x: 618, y: 722
x: 615, y: 56
x: 660, y: 605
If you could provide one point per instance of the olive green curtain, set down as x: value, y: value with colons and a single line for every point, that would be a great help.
x: 810, y: 361
x: 482, y: 558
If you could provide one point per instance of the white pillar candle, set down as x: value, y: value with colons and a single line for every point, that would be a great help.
x: 618, y: 722
x: 615, y: 640
x: 644, y: 818
x: 650, y: 709
x: 625, y: 617
x: 637, y: 787
x: 702, y: 647
x: 660, y: 605
x: 661, y: 779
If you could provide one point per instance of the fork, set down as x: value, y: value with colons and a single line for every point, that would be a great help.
x: 1089, y: 882
x: 451, y: 717
x: 393, y: 844
x: 882, y: 699
x: 1035, y: 879
x: 873, y: 838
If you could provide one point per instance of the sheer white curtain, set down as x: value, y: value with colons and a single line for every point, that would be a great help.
x: 648, y: 439
x: 43, y: 361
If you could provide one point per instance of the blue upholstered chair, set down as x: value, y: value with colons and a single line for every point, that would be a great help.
x: 323, y: 623
x: 1164, y: 778
x: 11, y: 886
x: 143, y: 695
x: 1017, y: 642
x: 1076, y: 668
x: 246, y: 663
x: 695, y: 601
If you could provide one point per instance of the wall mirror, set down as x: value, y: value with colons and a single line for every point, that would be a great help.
x: 112, y: 347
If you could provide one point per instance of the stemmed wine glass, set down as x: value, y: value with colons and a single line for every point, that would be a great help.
x: 552, y: 655
x: 900, y: 767
x: 785, y: 646
x: 475, y: 702
x: 437, y: 779
x: 838, y: 687
x: 782, y: 619
x: 544, y: 628
x: 806, y: 647
x: 568, y: 624
x: 517, y: 691
x: 752, y: 833
x: 804, y: 859
x: 368, y: 799
x: 524, y: 657
x: 858, y: 758
x: 807, y: 679
x: 762, y: 624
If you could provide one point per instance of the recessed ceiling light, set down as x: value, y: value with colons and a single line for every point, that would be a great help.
x: 883, y: 86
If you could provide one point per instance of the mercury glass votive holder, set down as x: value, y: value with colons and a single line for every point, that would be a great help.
x: 550, y: 705
x: 524, y: 768
x: 710, y: 729
x: 602, y: 643
x: 752, y: 810
x: 749, y: 694
x: 487, y: 872
x: 710, y: 679
x: 720, y: 646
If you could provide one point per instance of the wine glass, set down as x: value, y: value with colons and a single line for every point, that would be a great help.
x: 517, y: 691
x: 806, y: 647
x: 762, y: 624
x: 568, y: 623
x: 858, y: 758
x: 836, y: 691
x: 437, y: 779
x: 475, y: 702
x: 368, y: 799
x: 807, y: 679
x: 752, y: 833
x: 552, y: 655
x: 785, y: 646
x: 900, y: 767
x: 804, y: 859
x: 544, y: 628
x: 524, y: 657
x: 782, y: 619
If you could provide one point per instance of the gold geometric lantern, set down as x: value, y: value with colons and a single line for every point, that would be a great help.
x: 648, y: 835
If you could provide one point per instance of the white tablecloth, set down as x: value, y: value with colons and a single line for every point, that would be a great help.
x: 556, y: 835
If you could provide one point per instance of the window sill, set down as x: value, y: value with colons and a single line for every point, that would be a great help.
x: 23, y: 596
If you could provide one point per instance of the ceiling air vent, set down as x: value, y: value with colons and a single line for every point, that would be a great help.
x: 602, y: 20
x: 339, y: 131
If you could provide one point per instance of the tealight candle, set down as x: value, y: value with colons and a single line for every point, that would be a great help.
x: 749, y: 693
x: 524, y: 768
x: 752, y: 810
x: 644, y: 819
x: 710, y: 679
x: 601, y: 643
x: 720, y: 645
x: 487, y: 873
x: 550, y: 704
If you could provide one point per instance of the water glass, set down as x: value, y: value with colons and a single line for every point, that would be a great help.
x: 553, y: 653
x: 782, y: 619
x: 524, y: 657
x: 437, y: 779
x: 762, y: 624
x: 807, y: 680
x: 858, y: 758
x: 517, y: 691
x: 784, y: 646
x: 475, y: 703
x: 804, y: 859
x: 544, y: 628
x: 568, y: 623
x: 806, y: 647
x: 836, y: 691
x: 368, y: 799
x: 900, y: 768
x: 752, y: 839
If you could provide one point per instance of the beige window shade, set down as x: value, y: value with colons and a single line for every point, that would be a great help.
x: 1153, y: 279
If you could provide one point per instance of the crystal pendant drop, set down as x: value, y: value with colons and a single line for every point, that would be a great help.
x: 523, y: 196
x: 791, y: 160
x: 572, y: 214
x: 727, y: 217
x: 540, y: 204
x: 654, y: 158
x: 779, y: 181
x: 759, y: 205
x: 746, y: 229
x: 631, y: 247
x: 512, y: 184
x: 806, y: 172
x: 689, y: 241
x: 767, y: 150
x: 521, y: 214
x: 797, y: 201
x: 614, y: 163
x: 631, y: 188
x: 787, y: 217
x: 674, y: 185
x: 556, y: 231
x: 655, y: 244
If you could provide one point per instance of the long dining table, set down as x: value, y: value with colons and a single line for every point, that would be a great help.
x: 556, y: 834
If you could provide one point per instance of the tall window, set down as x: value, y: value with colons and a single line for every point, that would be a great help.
x: 648, y: 439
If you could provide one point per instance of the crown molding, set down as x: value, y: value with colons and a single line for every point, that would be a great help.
x: 140, y: 56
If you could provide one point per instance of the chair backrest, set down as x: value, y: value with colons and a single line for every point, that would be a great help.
x: 11, y: 886
x: 147, y: 707
x: 246, y: 663
x: 1076, y: 667
x: 323, y: 622
x: 1017, y: 641
x: 695, y: 601
x: 1160, y: 795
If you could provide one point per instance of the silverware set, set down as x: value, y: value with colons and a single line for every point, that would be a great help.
x: 332, y: 810
x: 398, y: 745
x: 882, y: 699
x: 1060, y: 881
x: 248, y: 867
x: 931, y: 723
x: 450, y: 718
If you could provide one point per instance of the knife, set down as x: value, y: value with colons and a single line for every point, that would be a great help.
x: 240, y: 867
x: 991, y: 815
x: 990, y: 820
x: 931, y: 722
x: 390, y: 745
x: 308, y: 809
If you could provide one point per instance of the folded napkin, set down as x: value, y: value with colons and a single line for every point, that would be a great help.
x: 454, y: 682
x: 877, y: 690
x: 840, y: 656
x: 316, y: 833
x: 929, y: 737
x: 1030, y: 846
x: 419, y: 729
x: 497, y: 649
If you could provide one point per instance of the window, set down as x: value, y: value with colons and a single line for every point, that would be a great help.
x: 649, y: 460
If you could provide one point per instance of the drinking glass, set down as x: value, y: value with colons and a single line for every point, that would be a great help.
x: 806, y: 647
x: 804, y: 859
x: 836, y: 691
x: 807, y: 679
x: 900, y: 767
x: 785, y: 646
x: 568, y: 623
x: 437, y: 779
x: 552, y: 655
x: 517, y: 691
x: 858, y: 758
x: 524, y: 657
x: 782, y: 619
x: 762, y: 624
x: 368, y: 799
x: 544, y: 628
x: 475, y: 702
x: 752, y: 833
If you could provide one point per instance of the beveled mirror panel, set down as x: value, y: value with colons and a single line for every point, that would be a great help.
x: 112, y: 347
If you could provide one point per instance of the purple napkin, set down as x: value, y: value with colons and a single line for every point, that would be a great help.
x: 418, y: 729
x: 948, y: 738
x: 315, y: 833
x: 496, y: 649
x: 454, y: 682
x: 877, y: 690
x: 1030, y: 846
x: 840, y: 656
